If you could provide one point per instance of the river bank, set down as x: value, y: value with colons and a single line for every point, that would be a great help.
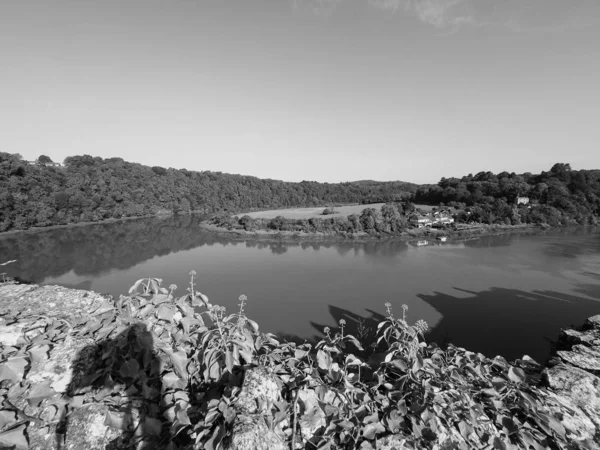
x: 55, y: 341
x: 453, y: 235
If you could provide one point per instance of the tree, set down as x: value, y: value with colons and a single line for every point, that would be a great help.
x: 43, y: 159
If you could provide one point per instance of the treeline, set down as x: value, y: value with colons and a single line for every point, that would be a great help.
x: 561, y: 196
x: 89, y: 189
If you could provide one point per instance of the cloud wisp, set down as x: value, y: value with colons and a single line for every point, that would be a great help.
x: 516, y: 15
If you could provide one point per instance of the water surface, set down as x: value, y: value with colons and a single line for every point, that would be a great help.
x: 507, y: 294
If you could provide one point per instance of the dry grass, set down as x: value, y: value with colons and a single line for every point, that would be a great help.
x: 307, y: 213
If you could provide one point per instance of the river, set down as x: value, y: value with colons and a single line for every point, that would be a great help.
x: 507, y: 294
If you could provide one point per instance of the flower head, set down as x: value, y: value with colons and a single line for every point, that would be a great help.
x: 242, y: 298
x: 326, y: 330
x: 421, y: 326
x: 192, y: 273
x: 342, y: 322
x: 404, y: 307
x: 387, y: 305
x: 173, y: 287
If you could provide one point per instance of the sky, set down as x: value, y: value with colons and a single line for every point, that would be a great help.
x: 324, y: 90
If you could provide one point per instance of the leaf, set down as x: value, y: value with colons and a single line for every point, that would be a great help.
x: 372, y: 429
x: 171, y: 380
x: 152, y: 426
x: 183, y: 418
x: 165, y: 313
x: 324, y: 360
x: 130, y: 369
x: 14, y: 439
x: 253, y: 324
x: 39, y: 392
x: 13, y: 369
x: 180, y: 361
x: 38, y: 353
x: 516, y: 375
x: 118, y: 420
x: 104, y: 307
x: 352, y: 360
x: 7, y: 418
x: 135, y: 286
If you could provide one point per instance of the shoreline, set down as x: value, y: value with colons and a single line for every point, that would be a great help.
x: 412, y: 234
x: 33, y: 230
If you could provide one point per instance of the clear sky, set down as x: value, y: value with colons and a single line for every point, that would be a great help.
x: 325, y: 90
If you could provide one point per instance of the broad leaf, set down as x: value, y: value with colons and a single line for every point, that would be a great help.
x: 39, y: 392
x: 13, y: 369
x: 130, y: 369
x: 324, y: 360
x: 152, y: 426
x: 516, y: 375
x: 14, y: 439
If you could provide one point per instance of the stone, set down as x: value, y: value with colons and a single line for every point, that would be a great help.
x: 571, y: 337
x: 259, y: 392
x: 594, y: 321
x: 10, y: 334
x: 578, y: 426
x: 582, y: 357
x: 581, y: 387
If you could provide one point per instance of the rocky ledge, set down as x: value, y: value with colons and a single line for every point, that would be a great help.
x: 38, y: 386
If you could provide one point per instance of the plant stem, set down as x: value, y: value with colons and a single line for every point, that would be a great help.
x: 294, y: 424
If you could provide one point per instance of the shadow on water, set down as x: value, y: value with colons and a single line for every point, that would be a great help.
x: 498, y: 321
x: 507, y: 322
x: 102, y: 369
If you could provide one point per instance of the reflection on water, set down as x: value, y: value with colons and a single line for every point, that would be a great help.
x: 504, y: 294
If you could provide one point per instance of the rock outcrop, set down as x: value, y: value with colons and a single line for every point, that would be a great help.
x: 44, y: 378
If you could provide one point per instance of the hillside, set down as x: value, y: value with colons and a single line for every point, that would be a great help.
x: 90, y: 189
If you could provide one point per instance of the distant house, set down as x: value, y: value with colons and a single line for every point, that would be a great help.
x: 442, y: 218
x: 48, y: 164
x: 420, y: 220
x: 522, y: 200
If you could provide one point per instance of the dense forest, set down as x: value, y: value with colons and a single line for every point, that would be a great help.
x: 561, y: 196
x: 90, y: 189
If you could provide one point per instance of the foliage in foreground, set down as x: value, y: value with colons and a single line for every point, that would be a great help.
x: 181, y: 361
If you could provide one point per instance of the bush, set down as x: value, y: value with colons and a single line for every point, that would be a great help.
x: 328, y: 211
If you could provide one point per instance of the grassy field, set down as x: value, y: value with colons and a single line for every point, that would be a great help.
x: 307, y: 213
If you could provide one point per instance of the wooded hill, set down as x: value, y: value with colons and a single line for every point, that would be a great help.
x: 561, y: 196
x: 89, y: 189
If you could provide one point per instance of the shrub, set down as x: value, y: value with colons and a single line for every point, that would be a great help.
x: 328, y: 211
